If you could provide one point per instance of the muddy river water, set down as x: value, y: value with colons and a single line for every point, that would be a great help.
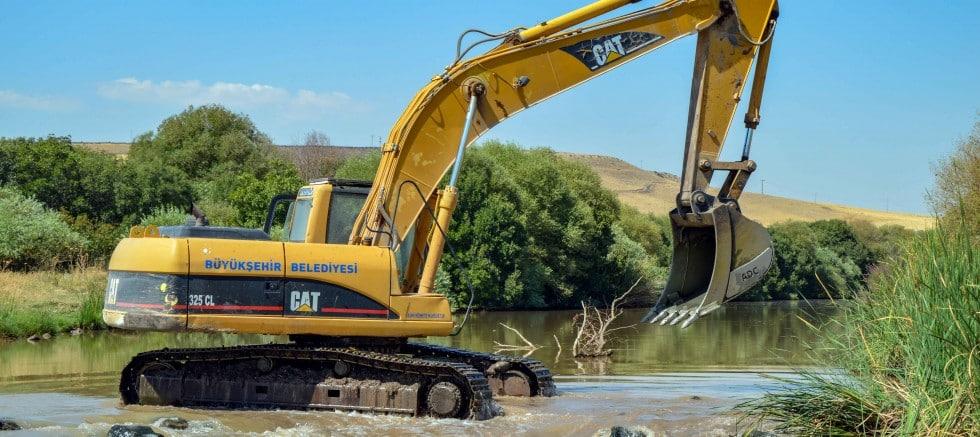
x: 672, y: 381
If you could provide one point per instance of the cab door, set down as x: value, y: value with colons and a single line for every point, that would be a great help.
x: 338, y: 281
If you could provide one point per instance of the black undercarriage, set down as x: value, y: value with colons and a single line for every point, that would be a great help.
x: 378, y: 375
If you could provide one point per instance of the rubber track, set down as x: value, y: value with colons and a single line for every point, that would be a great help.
x: 482, y: 406
x: 539, y: 375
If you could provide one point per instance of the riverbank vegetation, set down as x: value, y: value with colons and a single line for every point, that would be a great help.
x: 50, y: 302
x: 907, y: 348
x: 532, y: 229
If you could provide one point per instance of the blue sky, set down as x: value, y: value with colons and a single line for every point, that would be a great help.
x: 862, y: 97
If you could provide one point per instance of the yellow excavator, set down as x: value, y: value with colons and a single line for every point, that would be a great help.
x: 353, y: 279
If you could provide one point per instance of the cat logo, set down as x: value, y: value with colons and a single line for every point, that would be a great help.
x: 601, y: 51
x: 304, y: 301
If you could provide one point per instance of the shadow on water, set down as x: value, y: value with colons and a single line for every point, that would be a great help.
x: 669, y: 379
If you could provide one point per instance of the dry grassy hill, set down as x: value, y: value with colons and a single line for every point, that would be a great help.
x: 654, y: 192
x: 118, y: 149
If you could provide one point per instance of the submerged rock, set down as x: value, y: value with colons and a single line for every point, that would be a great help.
x: 625, y: 431
x: 8, y: 425
x: 173, y: 423
x: 132, y: 431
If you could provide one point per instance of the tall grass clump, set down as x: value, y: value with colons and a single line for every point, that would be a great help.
x: 907, y: 351
x: 42, y: 302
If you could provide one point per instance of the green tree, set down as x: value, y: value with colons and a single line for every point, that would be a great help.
x: 632, y: 262
x: 150, y: 184
x: 814, y: 261
x: 360, y: 167
x: 839, y: 236
x: 532, y: 229
x: 61, y: 176
x: 489, y: 234
x: 252, y: 194
x: 885, y: 242
x: 204, y: 140
x: 958, y: 184
x: 570, y: 217
x: 652, y: 231
x: 227, y: 161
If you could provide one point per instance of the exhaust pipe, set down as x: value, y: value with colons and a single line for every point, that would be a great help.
x: 718, y: 255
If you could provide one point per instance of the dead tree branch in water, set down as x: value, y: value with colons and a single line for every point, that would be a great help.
x: 593, y: 327
x: 559, y: 347
x: 528, y: 348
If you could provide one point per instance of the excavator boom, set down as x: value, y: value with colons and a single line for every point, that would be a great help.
x: 712, y: 239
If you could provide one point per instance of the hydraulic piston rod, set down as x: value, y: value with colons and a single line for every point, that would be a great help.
x: 447, y: 199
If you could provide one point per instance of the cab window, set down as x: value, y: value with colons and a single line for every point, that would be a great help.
x: 296, y: 219
x: 344, y: 208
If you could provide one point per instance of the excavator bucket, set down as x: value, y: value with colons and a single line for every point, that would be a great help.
x: 718, y: 255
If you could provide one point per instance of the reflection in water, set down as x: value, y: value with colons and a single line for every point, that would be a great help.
x: 737, y: 336
x: 76, y: 377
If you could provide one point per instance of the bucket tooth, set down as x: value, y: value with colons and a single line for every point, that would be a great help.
x: 718, y: 255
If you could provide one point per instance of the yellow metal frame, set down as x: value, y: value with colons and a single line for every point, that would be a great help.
x: 540, y: 62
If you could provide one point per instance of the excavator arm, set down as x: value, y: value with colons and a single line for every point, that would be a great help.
x: 533, y: 64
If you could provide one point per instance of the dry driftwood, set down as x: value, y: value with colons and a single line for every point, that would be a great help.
x: 558, y: 355
x: 528, y: 348
x: 594, y: 327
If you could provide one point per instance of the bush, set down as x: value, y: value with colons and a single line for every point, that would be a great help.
x: 32, y: 236
x: 102, y: 237
x: 839, y: 237
x: 884, y: 242
x: 219, y: 212
x: 633, y: 262
x: 165, y: 216
x: 570, y: 219
x: 652, y: 231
